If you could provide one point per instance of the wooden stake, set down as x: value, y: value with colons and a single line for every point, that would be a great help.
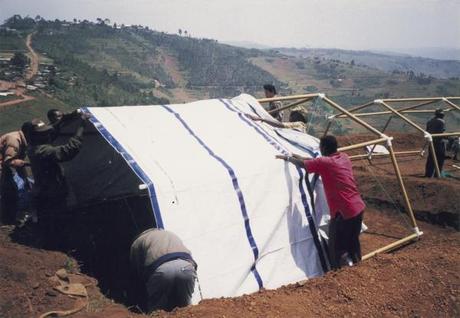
x: 393, y: 245
x: 401, y: 185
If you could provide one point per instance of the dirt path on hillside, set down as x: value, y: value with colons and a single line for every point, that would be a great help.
x: 23, y: 98
x: 33, y: 58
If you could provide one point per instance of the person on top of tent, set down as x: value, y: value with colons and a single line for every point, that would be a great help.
x: 436, y: 125
x: 13, y: 174
x: 296, y: 121
x: 270, y: 92
x: 57, y: 118
x: 165, y: 266
x: 345, y: 203
x: 50, y: 187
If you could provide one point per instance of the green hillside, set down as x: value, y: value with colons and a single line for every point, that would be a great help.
x: 97, y: 64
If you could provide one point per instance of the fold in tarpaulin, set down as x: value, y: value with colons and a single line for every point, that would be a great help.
x: 213, y: 179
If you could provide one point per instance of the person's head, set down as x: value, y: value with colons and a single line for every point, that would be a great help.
x: 439, y: 113
x: 270, y: 90
x: 26, y: 129
x: 39, y: 132
x: 328, y: 145
x: 296, y: 116
x: 54, y: 115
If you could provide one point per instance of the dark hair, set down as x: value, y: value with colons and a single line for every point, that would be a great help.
x: 328, y: 143
x: 271, y: 88
x: 439, y: 113
x: 51, y: 114
x: 26, y: 129
x: 296, y: 116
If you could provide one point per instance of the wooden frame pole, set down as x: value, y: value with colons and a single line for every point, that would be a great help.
x: 451, y: 104
x: 397, y: 153
x: 393, y: 245
x: 353, y: 117
x: 446, y: 134
x: 363, y: 144
x: 407, y: 120
x: 401, y: 185
x: 284, y: 98
x: 289, y: 106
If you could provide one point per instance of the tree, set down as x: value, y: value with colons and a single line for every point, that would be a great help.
x: 19, y: 60
x: 180, y: 32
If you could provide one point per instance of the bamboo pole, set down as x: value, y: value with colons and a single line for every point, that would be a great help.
x: 446, y: 134
x: 397, y: 153
x: 388, y: 112
x: 402, y: 186
x: 284, y: 98
x: 404, y: 111
x: 353, y: 117
x: 435, y: 160
x: 407, y: 120
x: 363, y: 144
x: 353, y: 109
x: 451, y: 104
x: 393, y: 245
x: 416, y: 99
x: 289, y: 106
x: 383, y: 131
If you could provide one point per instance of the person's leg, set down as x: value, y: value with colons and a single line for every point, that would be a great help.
x: 440, y: 154
x: 158, y: 288
x: 184, y: 284
x: 335, y: 242
x: 355, y: 246
x: 429, y: 167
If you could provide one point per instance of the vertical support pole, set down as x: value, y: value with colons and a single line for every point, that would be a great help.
x: 401, y: 185
x: 435, y: 160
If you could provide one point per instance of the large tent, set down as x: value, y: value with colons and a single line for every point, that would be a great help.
x: 207, y: 172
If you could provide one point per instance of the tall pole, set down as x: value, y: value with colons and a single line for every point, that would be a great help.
x: 401, y: 185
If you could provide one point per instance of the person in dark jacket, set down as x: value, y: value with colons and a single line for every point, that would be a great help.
x: 436, y: 125
x: 165, y: 267
x: 50, y: 187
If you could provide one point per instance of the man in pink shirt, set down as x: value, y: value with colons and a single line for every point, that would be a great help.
x: 345, y: 203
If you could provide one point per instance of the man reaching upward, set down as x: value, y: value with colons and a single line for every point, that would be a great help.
x: 345, y: 203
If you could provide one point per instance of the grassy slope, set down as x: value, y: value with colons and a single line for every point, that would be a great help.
x: 12, y: 117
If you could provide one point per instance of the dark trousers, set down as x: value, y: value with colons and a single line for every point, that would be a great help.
x: 344, y: 238
x: 440, y: 153
x: 8, y: 196
x: 50, y: 212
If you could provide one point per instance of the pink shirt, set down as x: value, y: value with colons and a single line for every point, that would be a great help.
x: 339, y: 184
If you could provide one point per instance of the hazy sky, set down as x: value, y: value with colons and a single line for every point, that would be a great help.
x: 349, y: 24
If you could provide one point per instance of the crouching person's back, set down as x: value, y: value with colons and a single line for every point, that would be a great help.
x: 166, y: 268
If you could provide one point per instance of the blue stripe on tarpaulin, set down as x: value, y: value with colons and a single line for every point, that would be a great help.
x: 237, y: 189
x: 132, y: 164
x: 295, y: 144
x: 278, y: 146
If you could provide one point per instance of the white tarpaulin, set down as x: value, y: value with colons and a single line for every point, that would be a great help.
x: 213, y: 180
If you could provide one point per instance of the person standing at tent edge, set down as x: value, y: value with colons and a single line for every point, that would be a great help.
x: 165, y: 266
x: 345, y: 203
x: 436, y: 125
x: 270, y: 92
x: 50, y: 188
